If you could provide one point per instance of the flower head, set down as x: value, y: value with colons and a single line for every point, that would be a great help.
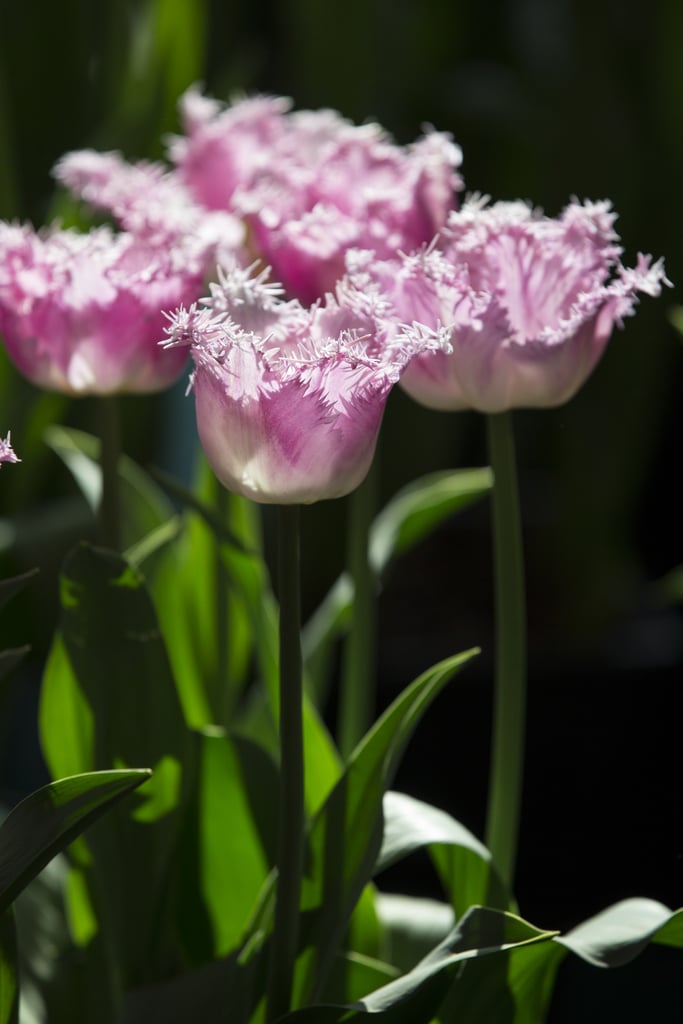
x: 527, y: 302
x: 152, y: 203
x: 289, y: 400
x: 6, y: 451
x: 81, y: 313
x: 311, y: 185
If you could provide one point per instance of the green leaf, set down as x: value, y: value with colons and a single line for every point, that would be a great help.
x: 49, y: 819
x: 618, y: 934
x: 463, y: 862
x: 229, y: 843
x: 144, y: 505
x: 518, y: 988
x: 415, y: 997
x: 346, y: 835
x: 9, y: 985
x: 109, y: 700
x: 420, y: 507
x: 200, y: 604
x: 412, y: 925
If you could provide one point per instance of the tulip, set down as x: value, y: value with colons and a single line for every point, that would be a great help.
x: 309, y: 185
x: 81, y: 313
x: 528, y: 303
x: 289, y: 400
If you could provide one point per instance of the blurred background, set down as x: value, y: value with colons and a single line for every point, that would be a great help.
x: 549, y: 99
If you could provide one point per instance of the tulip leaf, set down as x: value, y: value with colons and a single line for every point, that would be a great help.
x: 463, y: 862
x: 411, y: 926
x: 9, y: 985
x: 618, y: 934
x: 346, y: 834
x: 144, y: 504
x: 523, y: 990
x: 109, y: 700
x: 49, y: 819
x: 482, y: 936
x: 228, y: 843
x: 200, y: 604
x: 423, y: 505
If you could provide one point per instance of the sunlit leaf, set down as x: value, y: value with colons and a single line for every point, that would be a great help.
x: 229, y: 843
x: 618, y: 934
x: 46, y: 821
x: 109, y: 699
x: 415, y: 997
x: 346, y: 834
x: 463, y: 862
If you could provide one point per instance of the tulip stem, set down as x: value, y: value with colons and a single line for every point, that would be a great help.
x: 284, y: 942
x: 110, y: 453
x: 357, y: 694
x: 509, y: 708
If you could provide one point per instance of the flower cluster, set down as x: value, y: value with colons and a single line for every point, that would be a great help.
x: 380, y: 277
x: 309, y: 185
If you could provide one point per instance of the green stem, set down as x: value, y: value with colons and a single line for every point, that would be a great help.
x: 223, y: 683
x: 110, y: 452
x: 357, y: 693
x: 509, y: 710
x: 284, y: 941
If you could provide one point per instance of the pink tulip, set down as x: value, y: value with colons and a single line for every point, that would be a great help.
x: 81, y: 313
x: 527, y: 303
x: 289, y: 400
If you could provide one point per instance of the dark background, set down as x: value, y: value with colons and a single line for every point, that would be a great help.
x: 549, y: 99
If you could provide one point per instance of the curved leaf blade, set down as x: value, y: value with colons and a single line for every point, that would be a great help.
x: 619, y: 933
x: 49, y: 819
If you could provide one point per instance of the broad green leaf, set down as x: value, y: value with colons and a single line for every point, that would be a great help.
x: 109, y: 699
x: 519, y: 990
x: 463, y: 862
x: 346, y: 834
x: 46, y: 822
x: 414, y: 998
x: 200, y: 608
x: 618, y: 934
x: 9, y: 984
x: 229, y: 843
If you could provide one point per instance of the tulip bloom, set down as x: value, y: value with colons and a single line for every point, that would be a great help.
x: 527, y: 303
x: 311, y: 185
x: 308, y: 184
x: 289, y: 400
x: 6, y: 451
x: 81, y: 313
x: 150, y: 202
